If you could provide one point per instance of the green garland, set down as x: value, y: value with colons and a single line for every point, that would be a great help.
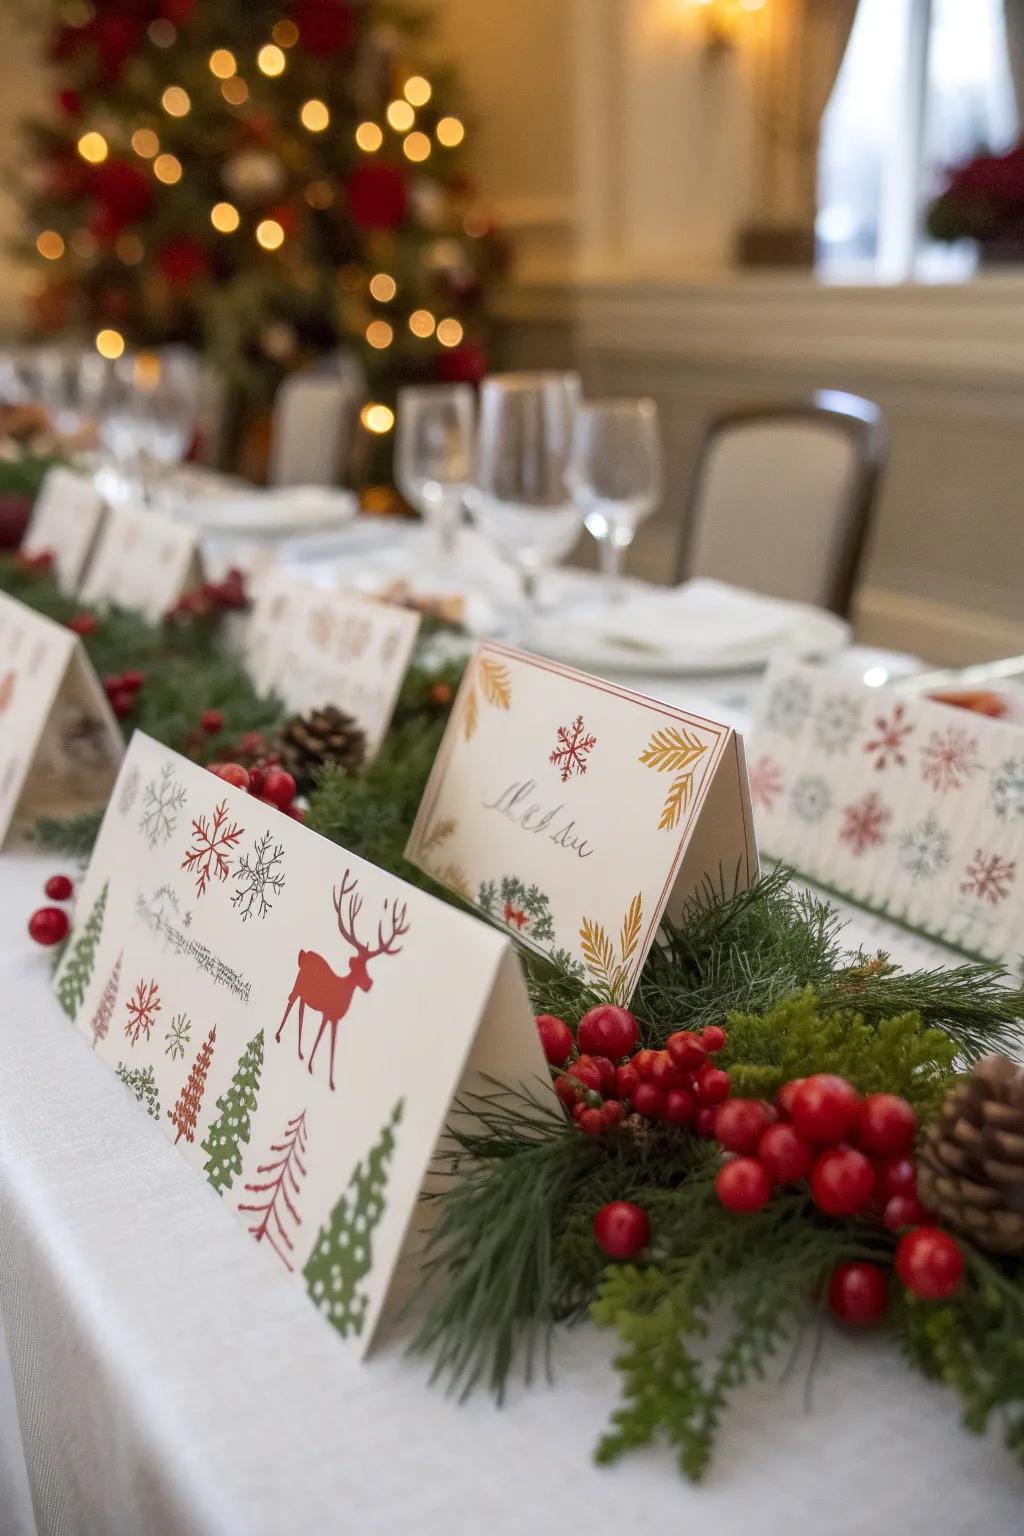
x: 511, y: 1253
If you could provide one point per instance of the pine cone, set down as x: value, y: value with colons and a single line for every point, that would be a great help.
x: 325, y: 735
x: 970, y: 1170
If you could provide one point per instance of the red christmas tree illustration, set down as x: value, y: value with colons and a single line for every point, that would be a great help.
x: 107, y: 1003
x: 281, y: 1190
x: 186, y: 1111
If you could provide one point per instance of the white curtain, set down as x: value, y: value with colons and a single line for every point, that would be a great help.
x: 1013, y: 11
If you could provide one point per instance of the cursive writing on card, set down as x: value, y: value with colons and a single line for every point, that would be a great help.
x: 516, y: 804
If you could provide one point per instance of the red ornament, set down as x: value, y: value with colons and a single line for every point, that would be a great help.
x: 686, y: 1050
x: 69, y: 102
x: 466, y: 364
x: 743, y: 1185
x: 377, y: 196
x: 895, y: 1176
x: 678, y: 1107
x: 712, y: 1085
x: 902, y: 1211
x: 325, y: 26
x: 48, y: 925
x: 555, y: 1038
x: 713, y: 1038
x: 626, y: 1080
x: 211, y: 721
x: 124, y: 191
x: 784, y: 1097
x: 842, y: 1181
x: 83, y: 624
x: 182, y: 262
x: 740, y: 1124
x: 885, y: 1123
x: 178, y: 12
x: 930, y: 1263
x: 115, y: 36
x: 58, y: 888
x: 857, y: 1294
x: 824, y: 1108
x: 233, y: 773
x: 279, y: 787
x: 784, y: 1152
x: 607, y: 1031
x: 622, y: 1229
x: 648, y: 1100
x: 704, y: 1121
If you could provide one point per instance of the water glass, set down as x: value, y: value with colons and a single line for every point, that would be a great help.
x: 434, y: 456
x: 615, y: 475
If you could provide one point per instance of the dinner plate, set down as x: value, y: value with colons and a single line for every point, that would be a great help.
x: 285, y: 512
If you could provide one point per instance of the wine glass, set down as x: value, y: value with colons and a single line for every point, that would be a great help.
x: 434, y: 456
x: 166, y: 385
x: 615, y: 475
x: 520, y: 498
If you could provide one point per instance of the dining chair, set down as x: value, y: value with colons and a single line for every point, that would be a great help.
x: 314, y: 423
x: 783, y: 497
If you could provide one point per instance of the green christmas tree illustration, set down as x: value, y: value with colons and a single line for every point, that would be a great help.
x: 76, y: 971
x: 229, y: 1133
x: 142, y: 1083
x: 342, y: 1255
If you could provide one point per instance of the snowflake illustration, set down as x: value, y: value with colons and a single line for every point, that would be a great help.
x: 129, y: 792
x: 837, y: 723
x: 178, y: 1036
x: 1007, y: 791
x: 811, y: 798
x: 576, y: 744
x: 886, y: 746
x: 143, y: 1007
x: 212, y: 841
x: 789, y: 704
x: 258, y: 878
x: 924, y: 848
x: 988, y: 877
x: 948, y: 760
x: 162, y: 799
x: 864, y: 824
x: 765, y: 782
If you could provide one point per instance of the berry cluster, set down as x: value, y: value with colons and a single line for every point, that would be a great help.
x: 272, y: 785
x: 49, y: 925
x: 41, y: 564
x: 212, y: 597
x: 122, y: 689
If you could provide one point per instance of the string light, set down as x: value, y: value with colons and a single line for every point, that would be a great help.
x: 449, y: 333
x: 379, y: 334
x: 319, y: 194
x: 314, y: 115
x: 225, y: 218
x: 476, y: 225
x: 93, y: 147
x: 129, y: 248
x: 383, y: 287
x: 417, y: 90
x: 450, y: 131
x: 110, y: 344
x: 162, y: 33
x: 270, y: 60
x: 369, y: 137
x: 270, y: 234
x: 83, y: 243
x: 285, y: 33
x: 416, y: 146
x: 400, y: 115
x: 176, y: 101
x: 235, y: 91
x: 377, y: 418
x: 421, y: 323
x: 50, y: 245
x: 223, y: 63
x: 145, y: 143
x: 167, y: 168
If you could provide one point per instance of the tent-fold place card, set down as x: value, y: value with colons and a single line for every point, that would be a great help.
x: 60, y: 745
x: 577, y: 814
x: 144, y: 561
x: 296, y: 1020
x: 65, y: 522
x: 314, y: 648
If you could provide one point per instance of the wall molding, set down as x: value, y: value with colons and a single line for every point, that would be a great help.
x: 945, y: 633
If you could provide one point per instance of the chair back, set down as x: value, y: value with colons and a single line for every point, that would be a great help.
x: 783, y: 498
x: 315, y: 418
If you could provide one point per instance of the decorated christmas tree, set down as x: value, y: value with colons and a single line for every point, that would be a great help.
x: 264, y: 179
x: 76, y: 970
x: 186, y: 1112
x: 105, y: 1008
x: 230, y: 1132
x: 342, y: 1255
x: 143, y: 1084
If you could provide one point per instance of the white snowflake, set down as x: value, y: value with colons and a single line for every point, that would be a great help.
x: 1007, y: 790
x: 789, y: 704
x: 924, y: 848
x: 838, y: 722
x: 162, y: 799
x: 812, y: 798
x: 258, y: 878
x: 129, y: 792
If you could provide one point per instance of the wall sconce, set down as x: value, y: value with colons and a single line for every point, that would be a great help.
x: 724, y: 22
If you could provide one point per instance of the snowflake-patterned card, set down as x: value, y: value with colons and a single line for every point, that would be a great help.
x: 576, y: 814
x: 313, y: 648
x: 245, y: 979
x: 906, y: 806
x: 60, y: 745
x: 65, y: 521
x: 143, y: 560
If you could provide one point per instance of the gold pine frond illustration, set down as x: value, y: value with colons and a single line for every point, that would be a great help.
x: 439, y: 833
x: 676, y: 802
x: 631, y: 924
x: 457, y: 880
x: 609, y: 971
x: 671, y: 749
x: 598, y: 951
x: 495, y: 683
x: 471, y: 718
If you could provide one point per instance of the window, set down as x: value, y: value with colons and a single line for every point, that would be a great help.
x: 924, y: 85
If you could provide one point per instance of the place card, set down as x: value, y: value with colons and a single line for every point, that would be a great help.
x: 65, y: 521
x: 314, y: 647
x: 261, y: 993
x: 144, y: 561
x: 60, y: 745
x: 908, y: 807
x: 577, y: 815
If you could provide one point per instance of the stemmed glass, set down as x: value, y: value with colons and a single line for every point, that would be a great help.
x: 520, y: 498
x: 434, y: 457
x: 615, y: 474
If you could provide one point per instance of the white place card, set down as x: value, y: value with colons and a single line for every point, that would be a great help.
x: 144, y: 561
x: 65, y: 521
x: 262, y: 992
x: 577, y: 815
x: 908, y: 807
x: 60, y: 746
x: 313, y: 647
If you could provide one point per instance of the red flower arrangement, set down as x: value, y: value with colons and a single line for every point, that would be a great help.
x: 984, y: 201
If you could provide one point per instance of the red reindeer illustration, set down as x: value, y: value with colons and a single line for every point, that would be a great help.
x: 321, y: 988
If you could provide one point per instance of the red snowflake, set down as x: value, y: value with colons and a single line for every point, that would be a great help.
x: 948, y: 760
x: 765, y: 782
x: 571, y: 756
x: 989, y: 877
x: 864, y: 824
x: 213, y: 841
x: 887, y: 744
x: 515, y: 915
x: 143, y: 1007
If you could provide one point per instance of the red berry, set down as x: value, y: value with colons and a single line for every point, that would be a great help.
x: 622, y: 1229
x: 930, y: 1263
x: 895, y: 1176
x: 591, y: 1122
x: 824, y: 1108
x: 712, y: 1085
x: 587, y: 1070
x: 48, y: 925
x: 902, y: 1211
x: 648, y: 1100
x: 857, y: 1294
x: 133, y: 679
x: 664, y: 1073
x: 555, y: 1038
x: 122, y: 702
x: 784, y: 1097
x: 233, y: 773
x: 885, y: 1123
x: 842, y: 1181
x: 280, y: 788
x: 686, y: 1050
x: 713, y: 1038
x: 611, y: 1115
x: 607, y: 1031
x: 643, y: 1062
x: 704, y: 1121
x: 568, y: 1090
x: 211, y: 720
x: 678, y: 1107
x: 626, y: 1080
x: 784, y: 1152
x: 83, y: 624
x: 257, y: 778
x: 579, y: 1110
x: 295, y: 812
x: 58, y: 888
x: 740, y: 1124
x: 743, y: 1185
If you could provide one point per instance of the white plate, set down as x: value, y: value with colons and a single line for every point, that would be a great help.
x: 283, y: 513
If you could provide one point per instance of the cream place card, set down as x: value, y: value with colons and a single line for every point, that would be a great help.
x: 143, y: 561
x: 60, y: 745
x: 908, y: 807
x: 297, y: 1021
x: 577, y: 815
x: 65, y: 520
x: 313, y: 647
